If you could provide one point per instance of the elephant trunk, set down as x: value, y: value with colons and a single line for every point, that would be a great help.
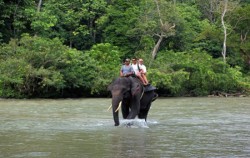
x: 115, y: 107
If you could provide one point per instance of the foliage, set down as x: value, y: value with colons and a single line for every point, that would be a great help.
x: 13, y: 21
x: 43, y: 68
x: 107, y: 59
x: 194, y: 73
x: 121, y: 19
x: 189, y: 25
x: 238, y: 41
x: 75, y: 48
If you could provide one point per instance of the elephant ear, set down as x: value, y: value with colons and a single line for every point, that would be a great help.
x: 122, y: 84
x: 135, y: 88
x: 110, y: 87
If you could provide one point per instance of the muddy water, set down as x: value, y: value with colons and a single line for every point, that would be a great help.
x: 176, y: 127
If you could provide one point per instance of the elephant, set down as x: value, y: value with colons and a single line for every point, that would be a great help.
x: 132, y: 96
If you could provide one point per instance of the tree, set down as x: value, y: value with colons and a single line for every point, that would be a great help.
x: 166, y: 30
x: 209, y: 8
x: 189, y: 25
x: 40, y: 67
x: 220, y: 11
x: 226, y: 6
x: 107, y: 59
x: 39, y: 5
x: 239, y: 41
x: 121, y: 19
x: 13, y: 21
x: 77, y: 23
x: 156, y: 21
x: 224, y: 48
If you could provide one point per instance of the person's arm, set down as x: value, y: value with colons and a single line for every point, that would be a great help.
x: 144, y: 69
x: 121, y: 74
x: 141, y: 69
x: 130, y: 73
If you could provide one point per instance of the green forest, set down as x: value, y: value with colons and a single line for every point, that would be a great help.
x: 62, y: 48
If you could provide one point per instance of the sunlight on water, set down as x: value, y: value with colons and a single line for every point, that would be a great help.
x: 176, y: 127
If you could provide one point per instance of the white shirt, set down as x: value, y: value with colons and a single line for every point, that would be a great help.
x: 135, y: 68
x: 143, y: 67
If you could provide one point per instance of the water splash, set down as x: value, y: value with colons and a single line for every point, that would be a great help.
x: 134, y: 123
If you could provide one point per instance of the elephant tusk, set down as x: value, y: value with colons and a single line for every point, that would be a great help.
x: 119, y: 106
x: 109, y: 107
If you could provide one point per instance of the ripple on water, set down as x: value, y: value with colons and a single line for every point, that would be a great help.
x: 180, y: 127
x: 33, y: 154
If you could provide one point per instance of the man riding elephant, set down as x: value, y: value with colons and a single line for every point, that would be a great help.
x: 126, y: 69
x: 130, y: 94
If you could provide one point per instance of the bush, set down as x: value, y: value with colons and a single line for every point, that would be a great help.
x: 194, y: 73
x: 107, y: 59
x: 40, y: 67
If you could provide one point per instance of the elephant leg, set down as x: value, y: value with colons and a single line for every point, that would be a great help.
x: 146, y: 101
x: 144, y: 113
x: 125, y: 108
x: 135, y: 108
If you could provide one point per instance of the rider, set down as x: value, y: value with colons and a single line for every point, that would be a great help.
x: 143, y: 70
x: 126, y: 69
x: 137, y: 71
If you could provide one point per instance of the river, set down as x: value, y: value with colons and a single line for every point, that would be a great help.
x: 79, y: 128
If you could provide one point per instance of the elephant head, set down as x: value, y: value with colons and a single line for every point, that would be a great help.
x: 125, y: 89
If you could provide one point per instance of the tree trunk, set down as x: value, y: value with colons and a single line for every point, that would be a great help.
x: 243, y: 37
x: 39, y: 5
x: 156, y: 47
x: 224, y: 50
x: 166, y: 29
x: 15, y: 18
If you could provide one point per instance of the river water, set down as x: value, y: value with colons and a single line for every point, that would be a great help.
x: 79, y: 128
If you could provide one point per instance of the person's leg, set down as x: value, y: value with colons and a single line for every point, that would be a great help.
x: 141, y: 78
x: 144, y: 78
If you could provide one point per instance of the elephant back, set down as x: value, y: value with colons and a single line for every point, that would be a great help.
x: 147, y: 88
